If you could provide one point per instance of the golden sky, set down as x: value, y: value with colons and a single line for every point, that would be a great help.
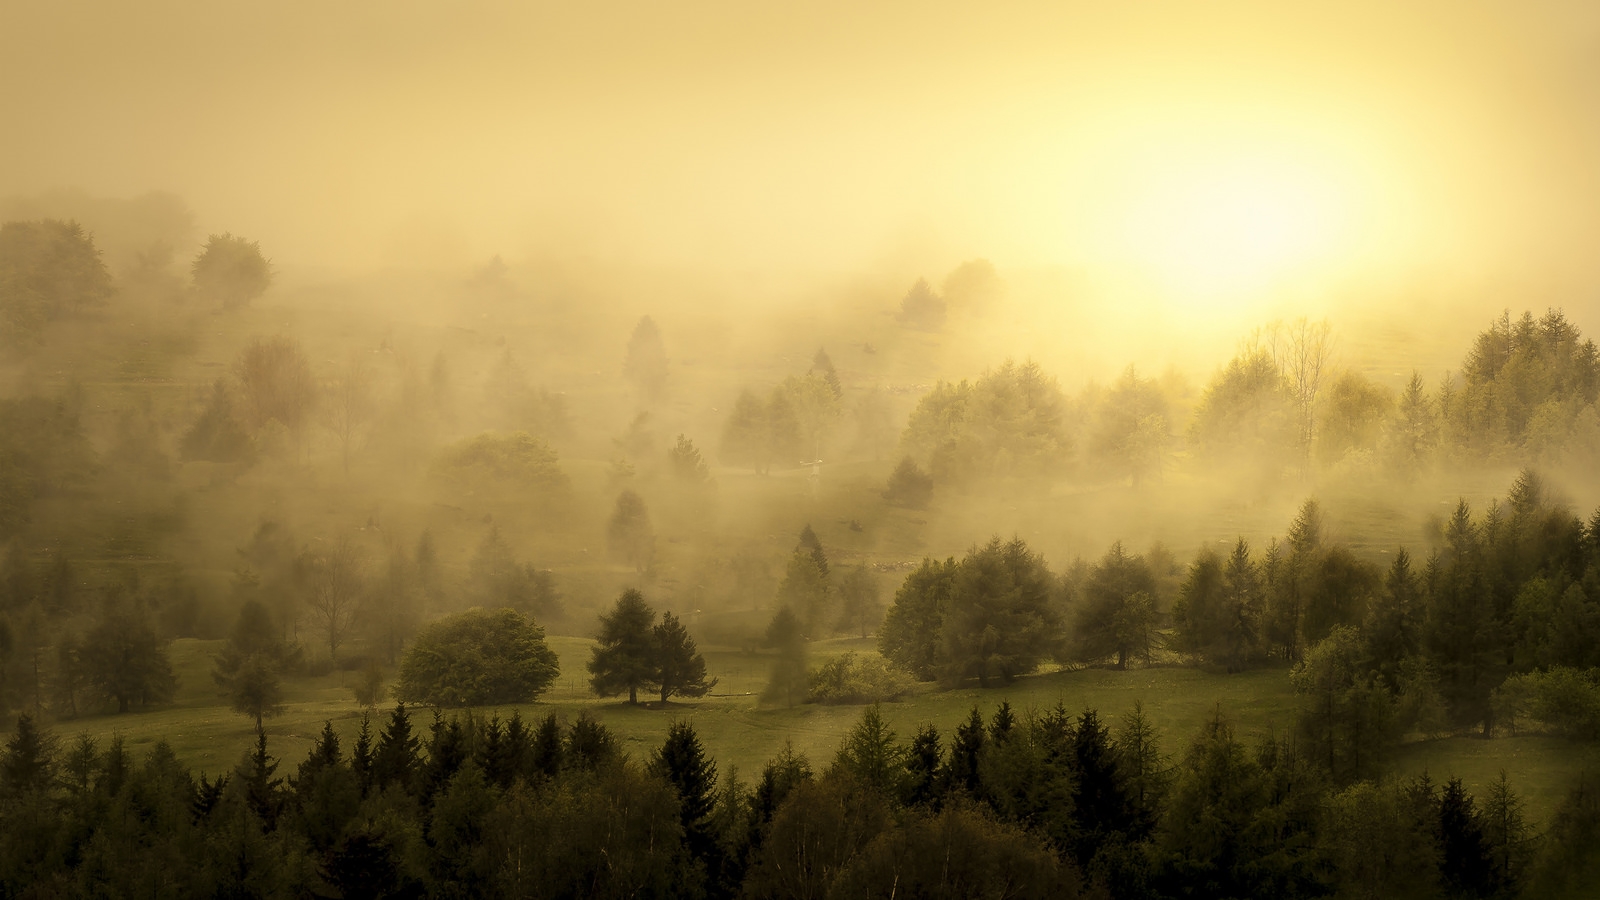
x: 1199, y: 147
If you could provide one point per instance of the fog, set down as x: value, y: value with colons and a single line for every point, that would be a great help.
x: 469, y: 210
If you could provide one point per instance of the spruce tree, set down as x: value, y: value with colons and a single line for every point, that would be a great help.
x: 263, y: 793
x: 546, y: 752
x: 362, y: 761
x: 624, y: 659
x: 28, y: 766
x: 682, y: 761
x: 787, y: 683
x: 395, y: 761
x: 679, y: 667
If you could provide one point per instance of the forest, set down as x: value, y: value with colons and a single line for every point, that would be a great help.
x: 260, y: 509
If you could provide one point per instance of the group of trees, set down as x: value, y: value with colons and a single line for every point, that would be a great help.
x: 1526, y: 391
x: 50, y: 269
x: 1045, y: 804
x: 636, y: 652
x: 825, y: 598
x: 992, y: 616
x: 1499, y: 624
x: 793, y: 425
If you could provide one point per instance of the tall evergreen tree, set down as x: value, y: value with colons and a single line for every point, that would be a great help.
x: 678, y: 666
x: 683, y: 762
x: 396, y: 760
x: 787, y: 683
x: 624, y: 659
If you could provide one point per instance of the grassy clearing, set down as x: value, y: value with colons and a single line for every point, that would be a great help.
x: 739, y: 732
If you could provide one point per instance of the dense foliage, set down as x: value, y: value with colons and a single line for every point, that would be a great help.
x: 1045, y: 804
x: 477, y: 658
x: 231, y: 270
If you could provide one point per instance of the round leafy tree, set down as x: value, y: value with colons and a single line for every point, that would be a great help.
x: 477, y: 658
x: 231, y: 269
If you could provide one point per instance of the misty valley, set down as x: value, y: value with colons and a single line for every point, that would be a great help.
x: 524, y: 580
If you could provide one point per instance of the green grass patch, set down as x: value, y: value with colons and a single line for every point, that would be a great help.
x: 741, y: 732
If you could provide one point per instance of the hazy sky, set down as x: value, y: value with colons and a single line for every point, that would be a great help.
x: 1202, y: 147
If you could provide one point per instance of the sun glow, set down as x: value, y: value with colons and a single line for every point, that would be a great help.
x: 1228, y: 225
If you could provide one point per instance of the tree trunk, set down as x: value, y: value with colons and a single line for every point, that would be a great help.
x: 633, y: 695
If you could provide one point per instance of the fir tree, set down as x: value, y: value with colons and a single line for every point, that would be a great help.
x: 679, y: 667
x: 395, y: 761
x: 623, y: 660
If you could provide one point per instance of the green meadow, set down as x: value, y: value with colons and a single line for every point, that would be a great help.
x: 741, y: 733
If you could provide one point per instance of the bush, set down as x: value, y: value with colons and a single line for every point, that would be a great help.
x: 477, y: 658
x: 909, y: 486
x: 856, y: 679
x: 1566, y: 701
x: 494, y: 462
x: 232, y: 270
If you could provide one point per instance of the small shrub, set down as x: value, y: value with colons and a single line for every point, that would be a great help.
x: 909, y: 486
x: 852, y: 678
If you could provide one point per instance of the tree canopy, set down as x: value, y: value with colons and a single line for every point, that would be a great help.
x: 476, y: 658
x: 231, y: 270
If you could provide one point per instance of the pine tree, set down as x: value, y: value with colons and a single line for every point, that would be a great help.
x: 589, y: 744
x: 362, y: 756
x: 646, y: 363
x: 262, y: 792
x: 395, y: 760
x: 962, y: 768
x: 686, y: 463
x: 447, y: 752
x: 547, y: 753
x: 492, y: 753
x: 682, y: 761
x: 909, y: 486
x: 624, y: 659
x: 1464, y: 854
x: 679, y: 667
x: 1102, y: 810
x: 870, y: 756
x: 924, y: 762
x: 29, y: 763
x: 787, y: 683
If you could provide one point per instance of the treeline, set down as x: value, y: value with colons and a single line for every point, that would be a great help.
x: 1042, y: 804
x: 1511, y: 593
x: 1526, y: 391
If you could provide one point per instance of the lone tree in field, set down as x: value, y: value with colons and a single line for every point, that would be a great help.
x: 232, y: 270
x: 623, y: 661
x: 125, y: 663
x: 679, y: 667
x: 477, y: 658
x: 250, y: 667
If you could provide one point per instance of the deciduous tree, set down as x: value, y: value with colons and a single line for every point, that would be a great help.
x: 231, y: 270
x: 477, y: 658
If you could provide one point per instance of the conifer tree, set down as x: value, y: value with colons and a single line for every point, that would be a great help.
x: 679, y: 667
x: 683, y: 762
x: 624, y: 659
x: 787, y: 683
x: 396, y: 760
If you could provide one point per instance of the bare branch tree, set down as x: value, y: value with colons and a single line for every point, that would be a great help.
x: 333, y: 579
x: 1302, y: 352
x: 348, y: 406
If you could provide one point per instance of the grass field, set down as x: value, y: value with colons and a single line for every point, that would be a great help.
x: 740, y: 733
